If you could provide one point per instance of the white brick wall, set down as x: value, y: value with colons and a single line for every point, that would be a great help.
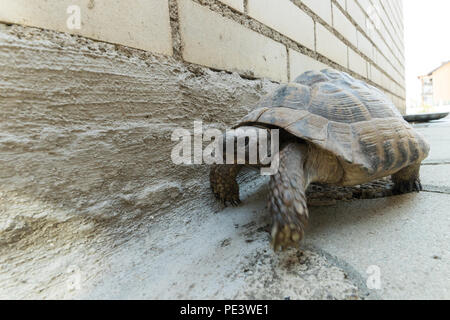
x: 342, y: 3
x: 235, y: 4
x: 277, y: 39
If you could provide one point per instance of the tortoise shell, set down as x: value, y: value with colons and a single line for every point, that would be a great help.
x: 352, y: 120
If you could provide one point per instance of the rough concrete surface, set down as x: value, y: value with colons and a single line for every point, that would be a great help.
x: 222, y: 255
x: 85, y: 149
x: 92, y: 207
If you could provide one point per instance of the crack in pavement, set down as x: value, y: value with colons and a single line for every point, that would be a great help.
x: 436, y: 163
x: 436, y: 189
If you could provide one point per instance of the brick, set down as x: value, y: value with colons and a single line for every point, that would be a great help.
x: 235, y: 4
x: 227, y: 45
x: 380, y: 60
x: 379, y: 43
x: 330, y: 46
x: 284, y: 17
x: 343, y: 25
x: 322, y: 8
x: 135, y: 23
x: 398, y: 90
x: 364, y: 45
x: 300, y: 63
x: 375, y: 75
x: 386, y: 82
x: 356, y: 63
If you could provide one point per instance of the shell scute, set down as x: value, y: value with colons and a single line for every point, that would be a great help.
x: 347, y: 117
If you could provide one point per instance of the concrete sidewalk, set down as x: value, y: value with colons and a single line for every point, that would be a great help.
x: 401, y: 241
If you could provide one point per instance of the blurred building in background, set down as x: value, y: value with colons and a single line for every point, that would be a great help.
x: 436, y: 86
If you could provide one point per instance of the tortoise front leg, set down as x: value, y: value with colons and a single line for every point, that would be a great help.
x: 287, y: 199
x: 222, y: 178
x: 407, y: 180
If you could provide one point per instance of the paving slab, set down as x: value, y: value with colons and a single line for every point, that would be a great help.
x: 438, y: 135
x: 437, y: 176
x: 405, y: 238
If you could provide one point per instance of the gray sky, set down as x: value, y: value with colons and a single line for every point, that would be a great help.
x: 427, y: 40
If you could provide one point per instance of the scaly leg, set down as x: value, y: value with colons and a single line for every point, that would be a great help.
x: 287, y: 199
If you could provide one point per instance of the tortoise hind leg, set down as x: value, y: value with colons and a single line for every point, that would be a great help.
x: 223, y: 183
x: 287, y: 199
x: 407, y: 180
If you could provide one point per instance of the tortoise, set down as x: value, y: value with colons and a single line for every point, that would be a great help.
x: 334, y: 129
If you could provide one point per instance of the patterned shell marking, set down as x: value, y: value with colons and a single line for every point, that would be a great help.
x: 351, y: 119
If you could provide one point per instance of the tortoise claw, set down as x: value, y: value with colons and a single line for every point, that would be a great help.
x: 407, y: 180
x: 288, y: 237
x: 232, y: 202
x: 418, y: 185
x: 235, y: 202
x: 403, y: 187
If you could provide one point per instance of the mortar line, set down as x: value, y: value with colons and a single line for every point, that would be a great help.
x: 315, y: 36
x: 332, y: 13
x: 288, y: 64
x: 177, y: 43
x: 246, y: 6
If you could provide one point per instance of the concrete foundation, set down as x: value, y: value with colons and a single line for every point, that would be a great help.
x: 85, y: 144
